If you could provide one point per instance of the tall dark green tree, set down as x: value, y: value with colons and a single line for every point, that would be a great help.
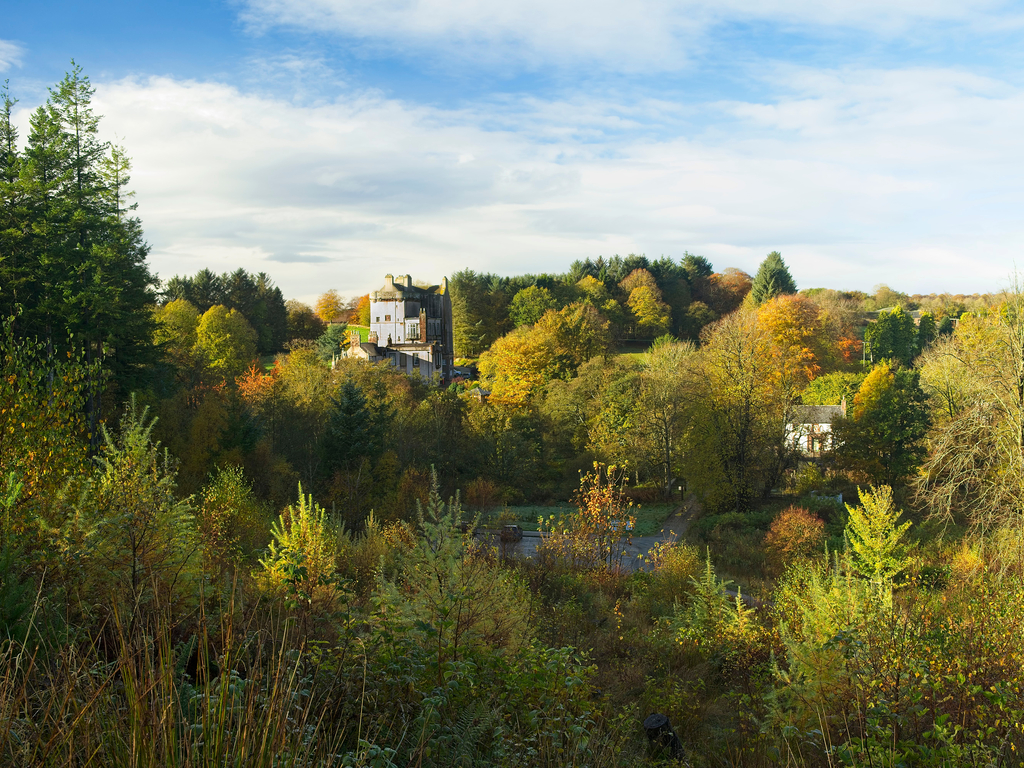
x: 772, y: 279
x: 74, y: 262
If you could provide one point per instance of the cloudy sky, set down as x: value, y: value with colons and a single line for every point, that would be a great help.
x: 328, y: 142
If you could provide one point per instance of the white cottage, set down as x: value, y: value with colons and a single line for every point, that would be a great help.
x: 809, y: 431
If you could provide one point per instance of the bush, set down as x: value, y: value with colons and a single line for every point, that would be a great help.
x: 794, y: 534
x: 301, y: 559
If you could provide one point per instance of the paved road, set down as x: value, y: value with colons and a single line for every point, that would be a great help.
x: 673, y: 528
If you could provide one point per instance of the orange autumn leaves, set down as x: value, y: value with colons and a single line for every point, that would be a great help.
x: 805, y: 339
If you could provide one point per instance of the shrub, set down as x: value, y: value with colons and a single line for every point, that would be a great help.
x: 142, y: 537
x: 674, y: 569
x: 232, y: 521
x: 875, y: 538
x: 482, y: 494
x: 794, y: 534
x: 302, y: 553
x: 596, y: 533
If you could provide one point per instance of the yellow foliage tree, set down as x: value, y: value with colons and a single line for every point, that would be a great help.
x: 518, y: 364
x: 227, y: 341
x: 329, y: 306
x: 653, y: 316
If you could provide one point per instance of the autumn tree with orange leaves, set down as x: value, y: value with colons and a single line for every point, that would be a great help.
x: 807, y: 340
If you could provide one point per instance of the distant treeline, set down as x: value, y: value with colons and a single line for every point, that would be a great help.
x: 640, y: 297
x: 254, y: 296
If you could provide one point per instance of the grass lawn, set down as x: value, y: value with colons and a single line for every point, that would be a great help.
x: 649, y: 517
x: 364, y: 332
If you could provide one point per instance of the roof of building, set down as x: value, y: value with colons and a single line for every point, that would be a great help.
x: 402, y: 287
x: 816, y: 414
x: 369, y: 348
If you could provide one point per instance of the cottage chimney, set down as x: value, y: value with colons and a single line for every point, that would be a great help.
x: 842, y: 406
x: 353, y: 339
x: 407, y: 281
x: 372, y: 337
x: 423, y: 325
x: 389, y: 282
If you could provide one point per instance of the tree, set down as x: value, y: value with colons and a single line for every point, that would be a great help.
x: 329, y: 344
x: 726, y: 291
x: 832, y: 388
x: 77, y: 258
x: 976, y: 467
x: 226, y: 340
x: 329, y: 306
x: 696, y: 267
x: 177, y: 322
x: 893, y: 336
x: 518, y: 364
x: 303, y: 322
x: 927, y: 331
x: 530, y: 304
x: 772, y: 279
x: 885, y: 437
x: 145, y: 537
x: 874, y: 536
x: 651, y: 314
x: 735, y: 451
x: 362, y: 311
x: 665, y: 391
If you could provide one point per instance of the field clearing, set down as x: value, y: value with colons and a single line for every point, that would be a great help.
x: 649, y: 517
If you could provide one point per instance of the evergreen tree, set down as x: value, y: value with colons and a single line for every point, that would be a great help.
x: 74, y: 257
x: 772, y: 279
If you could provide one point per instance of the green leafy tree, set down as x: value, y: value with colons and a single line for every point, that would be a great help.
x: 226, y: 340
x: 530, y: 304
x: 176, y: 326
x: 831, y: 388
x: 772, y: 279
x: 875, y: 537
x: 303, y: 322
x: 927, y: 331
x: 735, y: 445
x: 666, y: 387
x: 301, y: 559
x: 652, y: 315
x: 893, y: 336
x: 885, y: 437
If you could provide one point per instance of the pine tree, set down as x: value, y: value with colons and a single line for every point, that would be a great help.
x: 772, y: 279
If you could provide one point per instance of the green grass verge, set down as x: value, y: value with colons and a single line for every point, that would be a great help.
x: 364, y: 332
x: 649, y: 517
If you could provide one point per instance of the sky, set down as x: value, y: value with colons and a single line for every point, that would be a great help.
x: 328, y: 142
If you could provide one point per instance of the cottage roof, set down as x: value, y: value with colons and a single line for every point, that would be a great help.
x: 816, y: 414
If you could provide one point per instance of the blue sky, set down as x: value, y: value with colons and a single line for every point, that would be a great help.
x: 330, y: 141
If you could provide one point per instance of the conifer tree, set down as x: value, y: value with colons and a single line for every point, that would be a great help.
x: 772, y: 279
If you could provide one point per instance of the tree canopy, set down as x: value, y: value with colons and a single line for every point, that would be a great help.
x: 772, y: 279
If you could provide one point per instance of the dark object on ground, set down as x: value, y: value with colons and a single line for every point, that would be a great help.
x: 660, y: 733
x: 510, y: 533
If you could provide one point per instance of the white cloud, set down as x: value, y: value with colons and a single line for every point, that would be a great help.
x: 642, y: 35
x: 10, y: 55
x: 858, y: 177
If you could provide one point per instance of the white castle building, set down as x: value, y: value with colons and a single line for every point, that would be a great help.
x: 410, y: 327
